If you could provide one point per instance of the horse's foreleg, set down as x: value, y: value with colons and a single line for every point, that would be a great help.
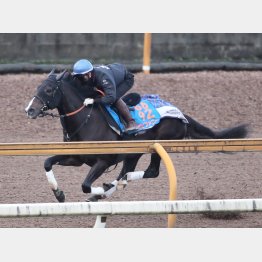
x: 58, y: 160
x: 95, y: 172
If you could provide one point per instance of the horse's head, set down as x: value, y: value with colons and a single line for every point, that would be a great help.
x: 48, y: 96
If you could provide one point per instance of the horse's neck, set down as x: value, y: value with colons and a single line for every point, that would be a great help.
x: 68, y: 108
x: 70, y: 101
x: 89, y: 125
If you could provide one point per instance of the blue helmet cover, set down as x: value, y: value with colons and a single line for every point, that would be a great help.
x: 82, y: 66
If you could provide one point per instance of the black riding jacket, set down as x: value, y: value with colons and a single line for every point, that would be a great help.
x: 106, y: 78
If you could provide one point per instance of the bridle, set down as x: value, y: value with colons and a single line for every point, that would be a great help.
x: 46, y: 104
x: 46, y: 107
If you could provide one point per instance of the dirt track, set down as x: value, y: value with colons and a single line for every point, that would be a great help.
x: 216, y: 99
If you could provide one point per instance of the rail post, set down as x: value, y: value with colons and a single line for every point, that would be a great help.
x: 172, y: 179
x: 147, y: 53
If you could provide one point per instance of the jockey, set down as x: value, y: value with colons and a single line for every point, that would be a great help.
x: 113, y: 80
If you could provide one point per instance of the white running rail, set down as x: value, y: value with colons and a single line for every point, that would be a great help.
x: 130, y: 207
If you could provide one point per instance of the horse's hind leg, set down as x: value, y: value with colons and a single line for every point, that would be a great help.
x: 128, y: 174
x: 129, y: 165
x: 153, y: 169
x: 58, y: 160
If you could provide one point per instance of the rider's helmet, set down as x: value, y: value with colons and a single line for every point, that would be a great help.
x: 82, y: 67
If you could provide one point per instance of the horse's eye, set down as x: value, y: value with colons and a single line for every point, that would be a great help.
x: 49, y: 90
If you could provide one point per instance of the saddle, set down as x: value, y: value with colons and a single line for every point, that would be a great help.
x: 112, y: 116
x: 147, y: 111
x: 132, y: 99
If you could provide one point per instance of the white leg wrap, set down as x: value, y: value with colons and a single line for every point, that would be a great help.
x: 135, y: 175
x: 115, y: 182
x: 51, y: 180
x: 112, y: 189
x: 97, y: 191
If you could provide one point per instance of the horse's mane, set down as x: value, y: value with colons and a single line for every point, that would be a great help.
x: 73, y: 83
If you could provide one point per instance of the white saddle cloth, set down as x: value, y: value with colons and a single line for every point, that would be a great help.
x: 171, y: 111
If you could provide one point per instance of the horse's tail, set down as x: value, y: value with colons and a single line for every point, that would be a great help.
x: 196, y: 130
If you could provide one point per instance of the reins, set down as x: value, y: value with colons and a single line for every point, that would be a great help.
x: 99, y: 91
x: 74, y: 112
x: 67, y: 137
x: 65, y: 115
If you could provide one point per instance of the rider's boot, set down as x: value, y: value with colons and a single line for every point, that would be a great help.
x: 125, y: 113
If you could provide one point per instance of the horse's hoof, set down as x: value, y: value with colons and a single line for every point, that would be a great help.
x: 106, y: 186
x: 92, y: 199
x: 95, y: 198
x: 122, y: 184
x: 59, y: 194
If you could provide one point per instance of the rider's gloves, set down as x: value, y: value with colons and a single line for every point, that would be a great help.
x: 88, y: 101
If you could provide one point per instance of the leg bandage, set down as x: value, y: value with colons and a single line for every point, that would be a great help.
x: 51, y: 179
x: 135, y: 175
x: 112, y: 189
x: 97, y: 191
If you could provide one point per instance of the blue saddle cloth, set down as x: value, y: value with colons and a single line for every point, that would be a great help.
x: 145, y: 113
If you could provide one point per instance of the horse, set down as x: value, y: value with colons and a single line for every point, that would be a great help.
x: 88, y: 123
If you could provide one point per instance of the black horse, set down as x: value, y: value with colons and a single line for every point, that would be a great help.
x: 82, y: 123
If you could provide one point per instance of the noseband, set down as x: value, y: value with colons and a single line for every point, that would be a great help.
x: 44, y: 107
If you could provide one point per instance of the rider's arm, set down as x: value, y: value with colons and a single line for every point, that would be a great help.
x: 109, y: 88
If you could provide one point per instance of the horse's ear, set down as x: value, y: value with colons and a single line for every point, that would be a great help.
x: 52, y: 72
x: 61, y: 75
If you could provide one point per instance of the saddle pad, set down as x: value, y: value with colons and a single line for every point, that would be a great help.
x: 148, y: 113
x: 145, y: 115
x: 164, y: 108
